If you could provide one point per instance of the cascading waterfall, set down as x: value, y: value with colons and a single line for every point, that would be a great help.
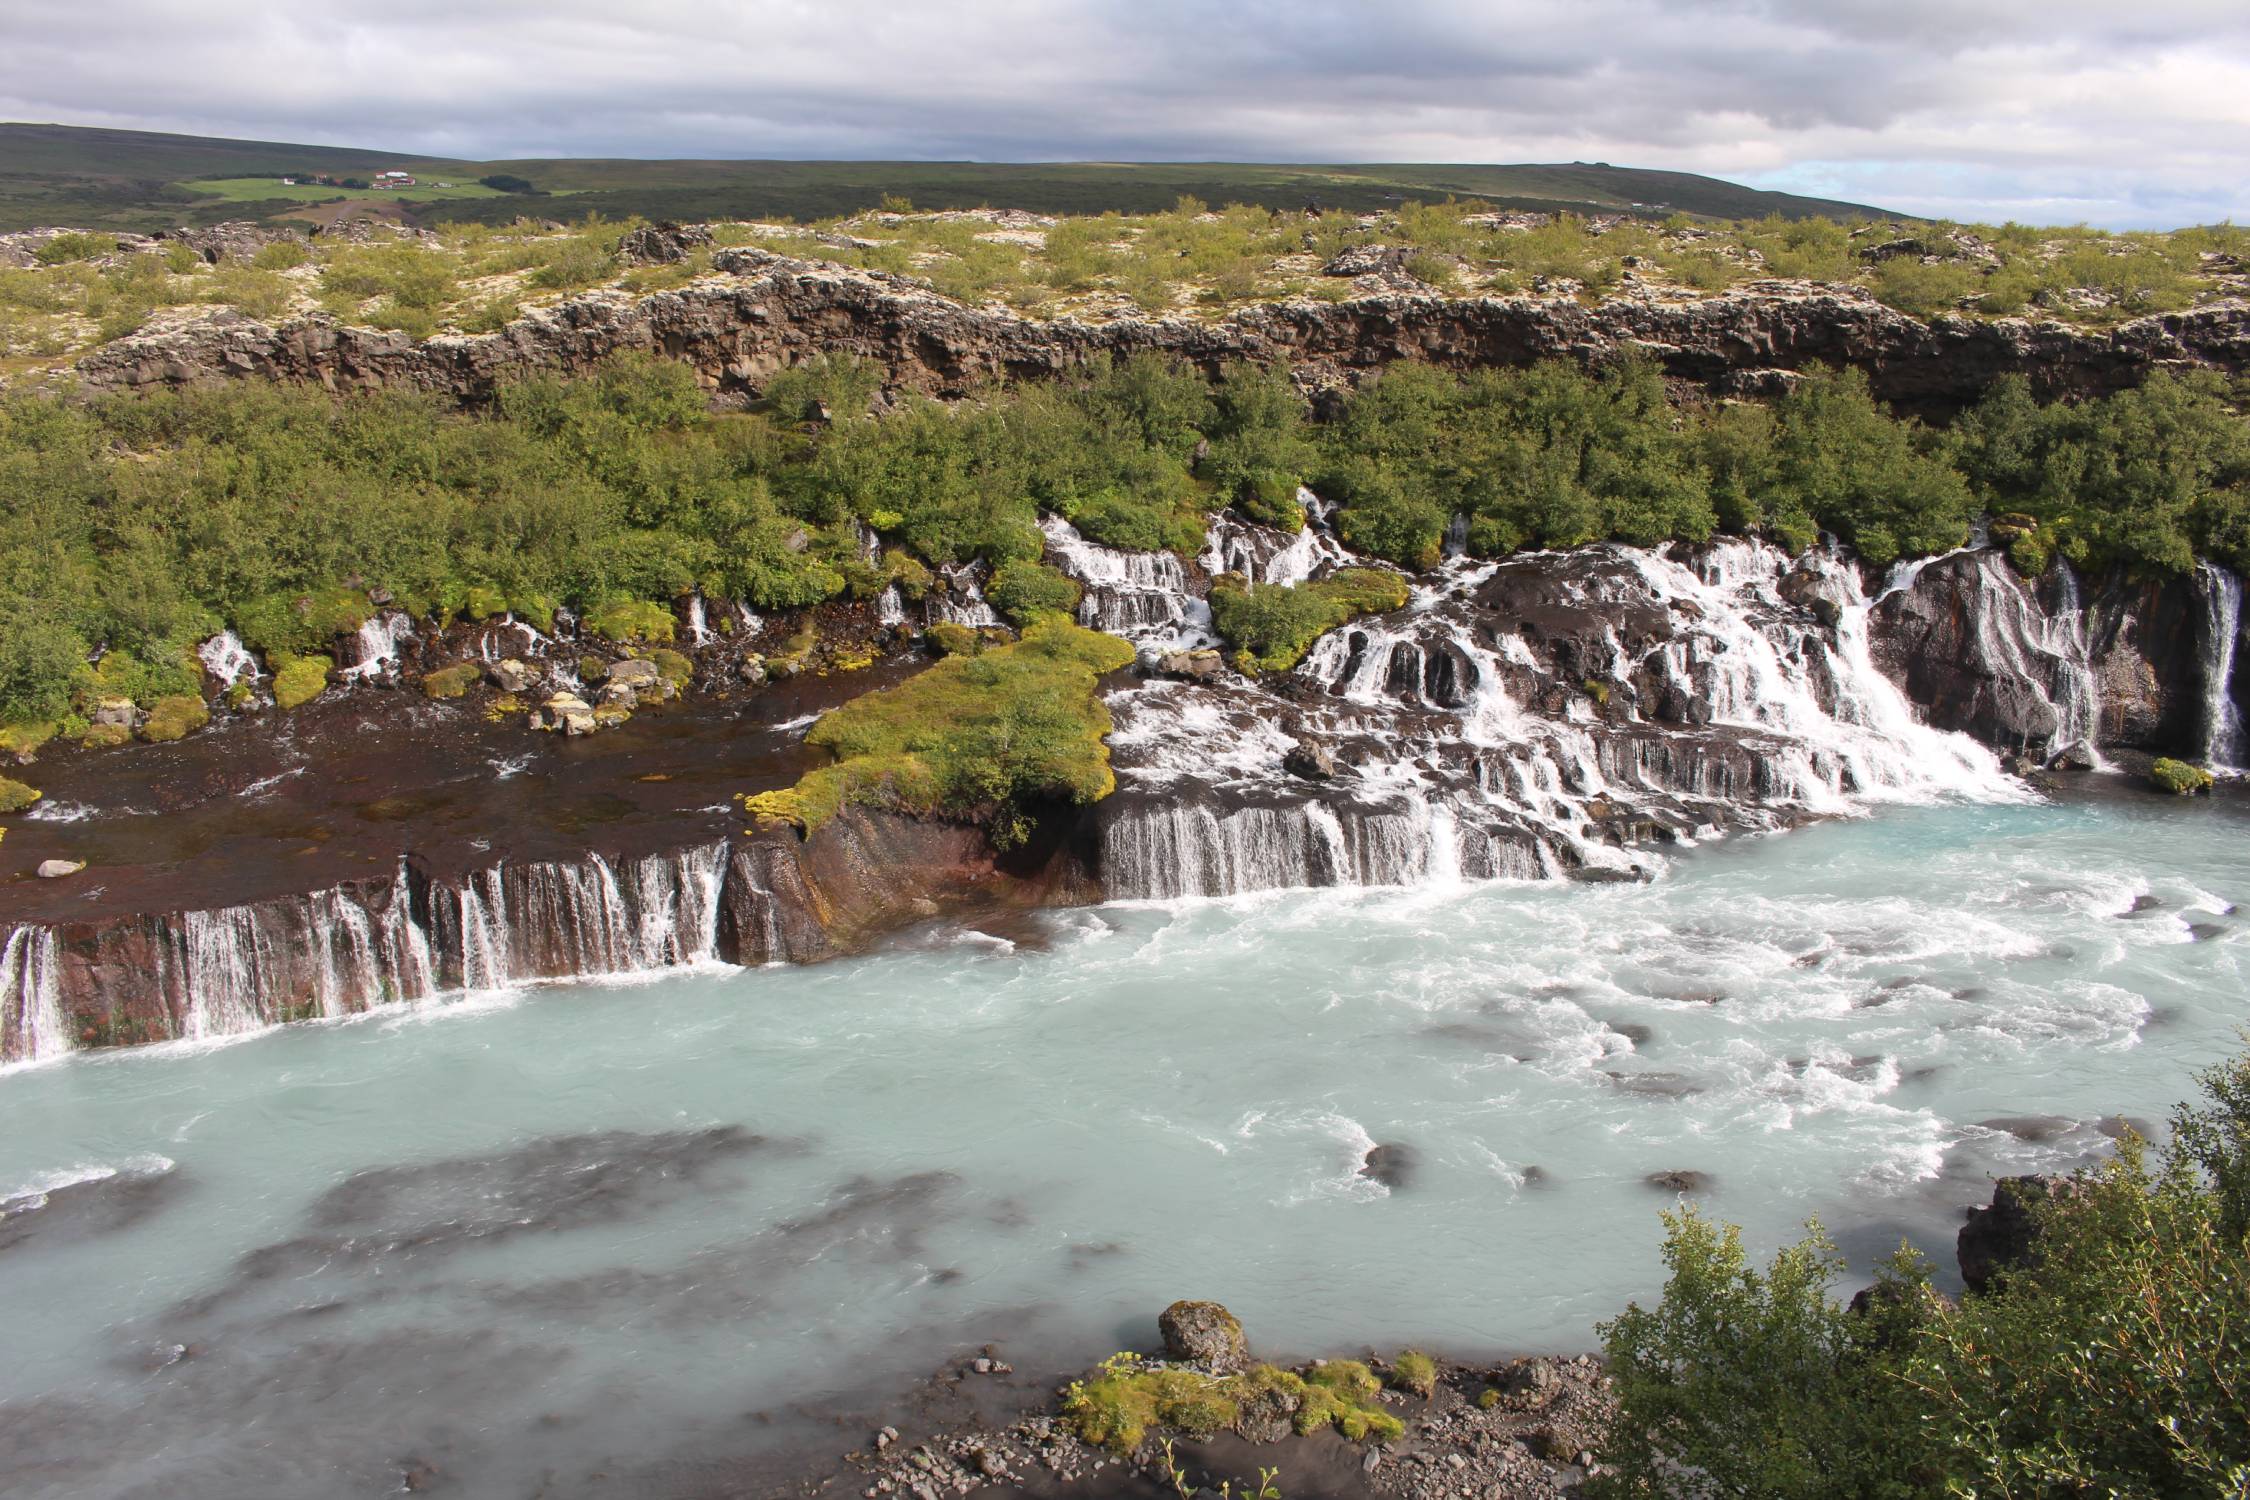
x: 228, y: 660
x: 31, y: 1019
x: 698, y: 628
x: 2222, y: 631
x: 375, y: 650
x: 336, y: 952
x: 1142, y: 596
x: 961, y: 602
x: 1464, y: 755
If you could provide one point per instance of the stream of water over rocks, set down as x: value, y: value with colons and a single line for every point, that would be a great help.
x: 664, y: 1232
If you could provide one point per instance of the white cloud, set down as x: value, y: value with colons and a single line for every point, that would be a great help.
x: 1987, y: 108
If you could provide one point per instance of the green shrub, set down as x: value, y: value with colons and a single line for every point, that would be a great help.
x: 949, y: 639
x: 175, y: 717
x: 74, y: 246
x: 451, y: 682
x: 2178, y: 777
x: 297, y: 680
x: 1273, y: 625
x: 631, y: 620
x: 2113, y: 1363
x: 281, y: 255
x: 675, y: 667
x: 1024, y: 590
x: 15, y: 796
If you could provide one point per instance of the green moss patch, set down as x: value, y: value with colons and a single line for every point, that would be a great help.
x: 1272, y: 625
x: 1415, y: 1371
x: 175, y: 717
x: 297, y: 680
x: 2178, y: 777
x: 450, y: 682
x: 631, y: 620
x: 980, y: 737
x: 1126, y: 1399
x: 15, y: 796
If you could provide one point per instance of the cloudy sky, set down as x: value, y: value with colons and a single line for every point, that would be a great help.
x: 2120, y: 112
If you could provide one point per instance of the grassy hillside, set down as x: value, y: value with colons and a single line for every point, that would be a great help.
x: 138, y: 180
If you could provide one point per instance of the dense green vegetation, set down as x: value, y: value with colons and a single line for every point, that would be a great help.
x: 1272, y: 626
x: 2117, y: 1363
x: 136, y: 527
x: 989, y: 736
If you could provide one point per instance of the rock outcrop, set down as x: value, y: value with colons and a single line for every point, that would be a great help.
x: 764, y: 312
x: 2005, y: 1235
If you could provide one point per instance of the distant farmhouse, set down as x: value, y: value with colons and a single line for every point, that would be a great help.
x: 394, y: 179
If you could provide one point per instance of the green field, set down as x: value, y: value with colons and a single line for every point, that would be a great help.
x: 139, y: 180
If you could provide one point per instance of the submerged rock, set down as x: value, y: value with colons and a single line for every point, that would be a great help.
x: 1679, y: 1181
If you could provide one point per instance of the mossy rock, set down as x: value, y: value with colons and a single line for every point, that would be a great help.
x: 15, y: 796
x: 297, y: 680
x: 483, y: 602
x: 673, y: 666
x: 451, y: 682
x: 1415, y: 1371
x: 175, y: 718
x: 949, y: 639
x: 22, y: 741
x: 2178, y: 777
x: 105, y: 736
x: 592, y: 669
x: 631, y: 620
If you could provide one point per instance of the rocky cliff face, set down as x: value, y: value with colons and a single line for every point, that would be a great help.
x: 765, y: 312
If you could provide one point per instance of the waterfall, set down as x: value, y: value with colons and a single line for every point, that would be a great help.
x: 1669, y: 695
x: 1142, y: 596
x: 698, y: 629
x: 494, y: 641
x: 227, y: 659
x: 31, y: 1020
x: 1263, y: 554
x: 962, y: 600
x: 2222, y: 630
x: 375, y: 646
x: 231, y: 970
x: 890, y: 606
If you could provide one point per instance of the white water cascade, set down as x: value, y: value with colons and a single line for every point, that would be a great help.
x: 335, y: 952
x: 31, y: 1019
x: 1142, y: 596
x: 228, y: 660
x: 376, y: 645
x: 698, y: 627
x: 961, y: 602
x: 2222, y: 632
x: 1464, y: 748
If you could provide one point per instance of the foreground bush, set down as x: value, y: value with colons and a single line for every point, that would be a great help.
x: 2115, y: 1363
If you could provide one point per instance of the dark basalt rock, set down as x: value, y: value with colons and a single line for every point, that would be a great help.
x: 1390, y: 1164
x: 1679, y: 1181
x: 1311, y: 760
x: 2004, y: 1235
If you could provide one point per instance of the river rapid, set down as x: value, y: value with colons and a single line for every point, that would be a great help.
x: 649, y: 1237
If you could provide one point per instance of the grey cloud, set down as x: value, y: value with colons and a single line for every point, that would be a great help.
x: 2042, y: 108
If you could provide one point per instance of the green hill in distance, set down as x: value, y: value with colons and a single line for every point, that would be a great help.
x: 141, y: 180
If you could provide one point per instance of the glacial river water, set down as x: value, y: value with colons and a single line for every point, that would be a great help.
x: 635, y: 1238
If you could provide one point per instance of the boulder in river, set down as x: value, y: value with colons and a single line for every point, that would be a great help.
x: 1679, y: 1181
x: 2004, y: 1234
x: 1203, y: 1333
x: 634, y: 673
x: 1389, y: 1164
x: 56, y: 869
x: 509, y: 676
x: 1311, y: 760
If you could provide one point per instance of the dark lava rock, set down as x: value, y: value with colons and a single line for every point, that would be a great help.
x: 2005, y: 1234
x: 1537, y: 1177
x: 2115, y: 1126
x: 1390, y: 1164
x: 1311, y: 760
x: 1203, y: 1333
x: 1679, y: 1182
